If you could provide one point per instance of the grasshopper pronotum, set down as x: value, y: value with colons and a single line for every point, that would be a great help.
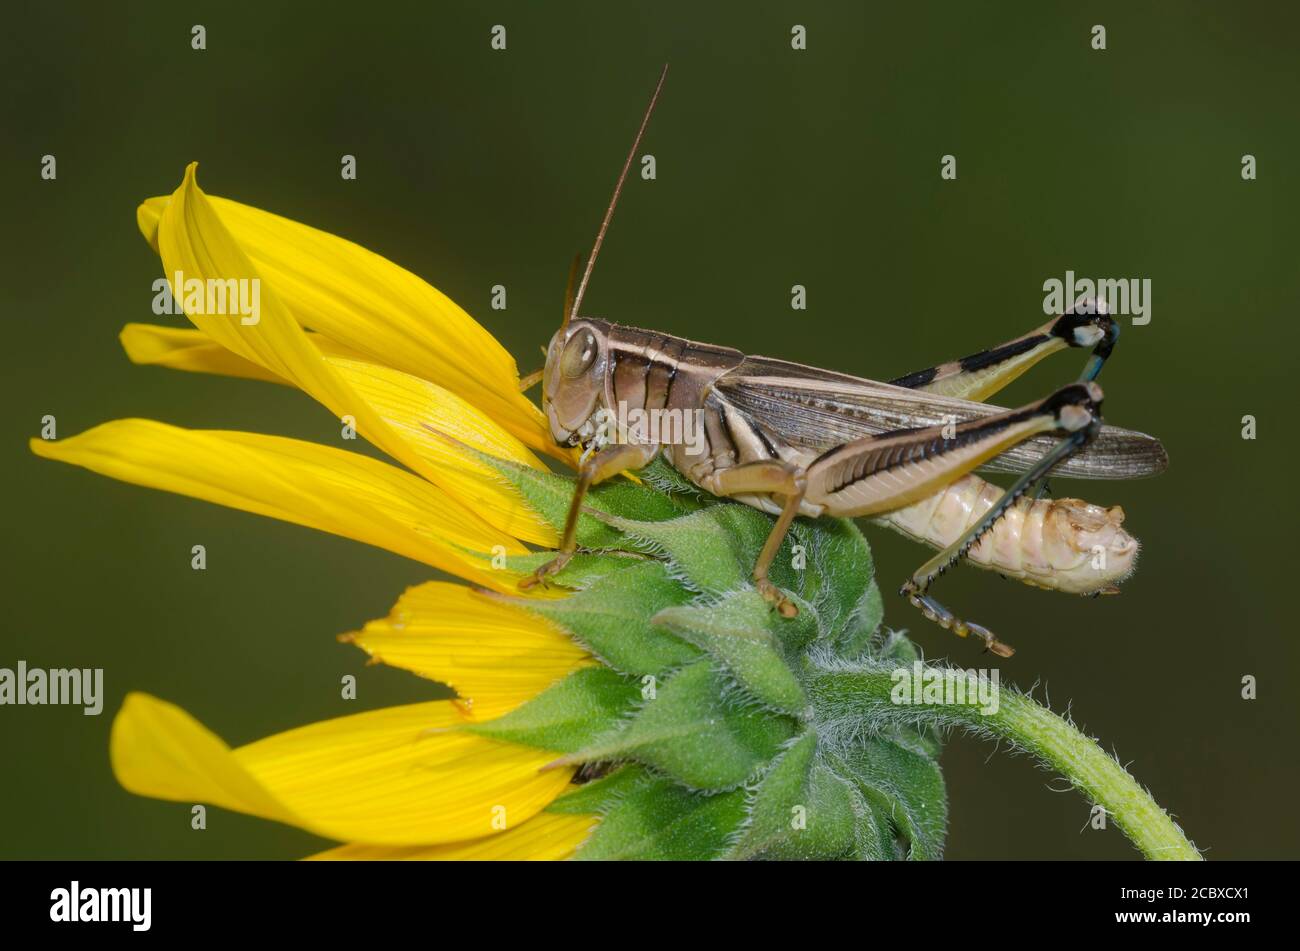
x: 795, y: 440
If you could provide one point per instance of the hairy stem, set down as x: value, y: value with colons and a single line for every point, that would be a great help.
x: 862, y: 698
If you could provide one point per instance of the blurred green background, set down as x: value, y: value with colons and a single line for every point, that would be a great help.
x: 775, y: 167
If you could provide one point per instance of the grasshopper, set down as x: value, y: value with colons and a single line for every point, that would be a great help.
x: 795, y: 440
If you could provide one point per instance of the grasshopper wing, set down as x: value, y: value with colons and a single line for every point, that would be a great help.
x: 818, y: 409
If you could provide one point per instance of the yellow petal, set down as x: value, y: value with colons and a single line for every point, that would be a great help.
x: 376, y: 308
x: 188, y: 349
x: 196, y: 245
x: 545, y: 837
x: 400, y: 776
x: 408, y: 405
x: 415, y: 408
x: 495, y: 655
x: 333, y: 490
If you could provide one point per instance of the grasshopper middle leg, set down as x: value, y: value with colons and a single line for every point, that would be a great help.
x: 761, y: 478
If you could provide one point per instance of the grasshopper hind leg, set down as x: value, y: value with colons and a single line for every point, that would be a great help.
x: 979, y: 375
x: 916, y: 588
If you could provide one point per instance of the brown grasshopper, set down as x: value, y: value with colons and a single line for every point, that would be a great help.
x: 796, y: 440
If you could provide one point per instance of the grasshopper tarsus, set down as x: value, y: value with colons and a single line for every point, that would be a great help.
x: 933, y: 611
x: 991, y: 644
x: 540, y: 576
x: 777, y: 599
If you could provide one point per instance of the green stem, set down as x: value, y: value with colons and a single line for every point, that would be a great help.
x: 850, y: 696
x: 1097, y: 775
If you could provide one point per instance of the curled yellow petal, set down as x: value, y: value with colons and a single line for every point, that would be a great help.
x: 495, y: 655
x: 411, y: 407
x: 400, y: 776
x: 375, y: 308
x: 545, y: 837
x: 333, y: 490
x: 188, y: 349
x: 197, y: 247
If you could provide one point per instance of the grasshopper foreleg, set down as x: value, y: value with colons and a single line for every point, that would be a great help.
x: 604, y: 464
x: 762, y: 478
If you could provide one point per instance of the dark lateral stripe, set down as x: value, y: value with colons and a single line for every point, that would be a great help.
x: 661, y: 373
x: 891, y: 457
x: 717, y: 430
x: 897, y: 456
x: 743, y: 432
x: 644, y: 370
x: 672, y: 378
x: 630, y: 368
x: 988, y: 358
x: 728, y: 428
x: 767, y: 443
x: 919, y: 378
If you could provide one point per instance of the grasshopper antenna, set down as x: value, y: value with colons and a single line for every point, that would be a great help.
x: 572, y: 299
x: 528, y: 382
x: 571, y: 311
x: 569, y: 306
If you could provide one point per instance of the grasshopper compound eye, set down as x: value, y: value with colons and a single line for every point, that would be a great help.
x: 579, y: 354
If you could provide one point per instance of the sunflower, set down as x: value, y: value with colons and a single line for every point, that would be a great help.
x: 649, y: 704
x: 402, y: 782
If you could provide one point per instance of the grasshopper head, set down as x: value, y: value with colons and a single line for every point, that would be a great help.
x: 573, y: 383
